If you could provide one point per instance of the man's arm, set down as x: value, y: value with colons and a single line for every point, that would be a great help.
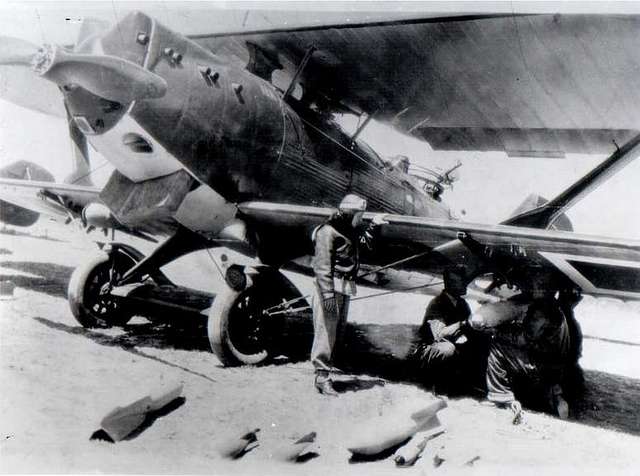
x: 371, y: 232
x: 433, y: 327
x: 452, y: 332
x: 323, y: 261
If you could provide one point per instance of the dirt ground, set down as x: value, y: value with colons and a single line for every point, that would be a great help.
x: 58, y: 380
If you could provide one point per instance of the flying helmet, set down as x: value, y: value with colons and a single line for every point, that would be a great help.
x: 352, y: 203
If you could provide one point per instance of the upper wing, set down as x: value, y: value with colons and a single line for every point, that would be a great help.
x: 598, y: 265
x: 532, y: 85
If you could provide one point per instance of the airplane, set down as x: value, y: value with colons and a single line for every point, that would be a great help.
x: 227, y: 140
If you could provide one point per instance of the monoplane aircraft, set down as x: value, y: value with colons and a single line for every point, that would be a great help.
x: 227, y: 140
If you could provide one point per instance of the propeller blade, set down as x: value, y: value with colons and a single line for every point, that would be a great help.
x: 81, y: 173
x: 106, y: 76
x: 20, y: 86
x: 14, y: 51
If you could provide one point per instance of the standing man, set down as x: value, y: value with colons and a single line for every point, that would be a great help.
x: 448, y: 345
x: 335, y: 266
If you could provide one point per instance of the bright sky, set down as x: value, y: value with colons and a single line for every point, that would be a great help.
x: 490, y: 185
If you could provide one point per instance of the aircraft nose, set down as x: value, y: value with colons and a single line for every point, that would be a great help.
x: 107, y: 63
x: 109, y: 77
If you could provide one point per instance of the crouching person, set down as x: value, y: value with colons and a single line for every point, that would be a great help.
x: 527, y: 358
x: 449, y: 354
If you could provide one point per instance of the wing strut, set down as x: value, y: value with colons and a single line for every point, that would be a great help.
x: 361, y: 128
x: 303, y: 64
x: 544, y: 216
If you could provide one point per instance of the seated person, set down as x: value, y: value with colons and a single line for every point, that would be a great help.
x: 527, y: 358
x: 447, y: 343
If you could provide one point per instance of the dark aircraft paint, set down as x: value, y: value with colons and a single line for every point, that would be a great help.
x: 233, y: 131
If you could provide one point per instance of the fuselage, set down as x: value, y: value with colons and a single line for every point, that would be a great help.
x: 222, y: 135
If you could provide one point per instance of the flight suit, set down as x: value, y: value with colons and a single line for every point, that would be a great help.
x: 530, y: 366
x: 335, y: 266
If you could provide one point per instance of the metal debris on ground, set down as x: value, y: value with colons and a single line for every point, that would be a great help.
x: 408, y: 454
x: 123, y: 421
x: 370, y: 440
x: 292, y: 451
x: 237, y: 447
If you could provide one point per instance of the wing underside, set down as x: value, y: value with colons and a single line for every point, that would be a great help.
x: 598, y: 265
x: 528, y: 85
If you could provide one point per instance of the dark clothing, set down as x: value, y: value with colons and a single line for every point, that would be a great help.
x: 449, y: 352
x: 573, y: 378
x: 442, y: 311
x: 525, y: 364
x: 336, y: 254
x: 335, y: 265
x: 575, y: 332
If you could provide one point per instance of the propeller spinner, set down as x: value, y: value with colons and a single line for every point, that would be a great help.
x: 110, y: 77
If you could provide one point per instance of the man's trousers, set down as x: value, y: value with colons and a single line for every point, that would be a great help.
x: 329, y: 322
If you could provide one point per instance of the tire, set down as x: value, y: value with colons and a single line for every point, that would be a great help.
x: 239, y: 334
x: 88, y: 306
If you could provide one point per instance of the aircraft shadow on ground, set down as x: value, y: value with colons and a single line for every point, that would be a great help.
x: 608, y: 401
x: 50, y: 278
x: 143, y: 335
x: 124, y: 341
x: 371, y: 349
x: 12, y: 232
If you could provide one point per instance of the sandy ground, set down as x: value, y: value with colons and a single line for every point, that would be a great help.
x: 58, y: 380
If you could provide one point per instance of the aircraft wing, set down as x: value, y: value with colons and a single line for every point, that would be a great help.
x: 62, y: 202
x: 51, y: 199
x: 598, y: 265
x: 528, y: 85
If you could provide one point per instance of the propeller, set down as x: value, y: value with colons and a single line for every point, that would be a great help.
x: 110, y: 77
x: 81, y: 173
x: 14, y: 51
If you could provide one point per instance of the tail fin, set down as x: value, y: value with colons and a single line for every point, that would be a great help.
x: 545, y: 215
x: 533, y: 202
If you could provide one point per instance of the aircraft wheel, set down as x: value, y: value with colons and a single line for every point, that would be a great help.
x: 239, y: 331
x: 89, y: 299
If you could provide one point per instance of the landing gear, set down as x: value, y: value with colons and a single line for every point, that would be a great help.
x: 241, y: 328
x: 249, y: 322
x: 99, y: 291
x: 89, y: 295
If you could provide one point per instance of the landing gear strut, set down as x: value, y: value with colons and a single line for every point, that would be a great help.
x: 242, y: 327
x: 89, y: 289
x: 241, y: 330
x: 92, y: 294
